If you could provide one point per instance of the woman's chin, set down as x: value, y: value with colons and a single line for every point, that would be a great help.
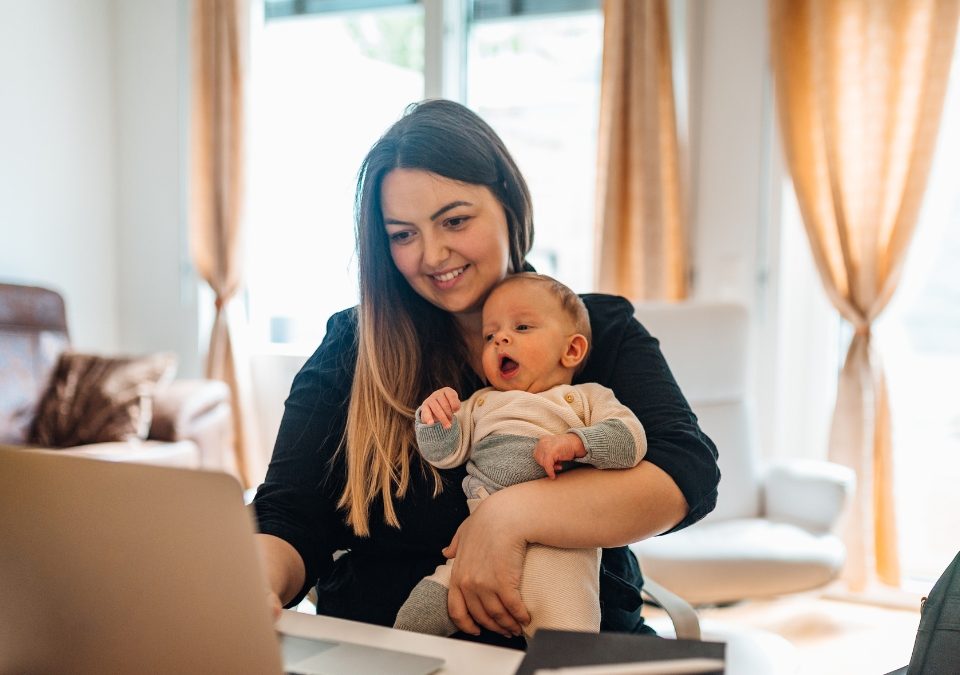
x: 463, y: 298
x: 457, y: 304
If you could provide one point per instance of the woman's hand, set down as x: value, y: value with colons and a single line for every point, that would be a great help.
x: 274, y: 605
x: 485, y: 583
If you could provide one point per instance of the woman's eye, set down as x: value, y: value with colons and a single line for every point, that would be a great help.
x: 400, y: 237
x: 457, y: 221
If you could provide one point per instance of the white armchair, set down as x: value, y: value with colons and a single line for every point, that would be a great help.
x: 772, y: 530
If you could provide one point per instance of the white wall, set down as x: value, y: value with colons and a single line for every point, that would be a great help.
x: 158, y: 288
x: 92, y: 168
x: 736, y: 181
x: 58, y: 223
x: 728, y: 163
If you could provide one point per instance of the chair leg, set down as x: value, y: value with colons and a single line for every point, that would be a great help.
x: 686, y: 624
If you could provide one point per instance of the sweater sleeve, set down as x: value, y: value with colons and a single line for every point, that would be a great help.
x: 613, y: 436
x: 297, y: 501
x: 627, y: 359
x: 447, y: 448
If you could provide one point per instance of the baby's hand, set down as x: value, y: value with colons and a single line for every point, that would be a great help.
x: 551, y: 451
x: 439, y: 407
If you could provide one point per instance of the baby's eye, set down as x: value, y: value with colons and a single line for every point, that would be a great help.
x: 522, y: 327
x: 488, y: 337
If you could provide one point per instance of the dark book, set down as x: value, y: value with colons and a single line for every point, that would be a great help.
x: 563, y: 649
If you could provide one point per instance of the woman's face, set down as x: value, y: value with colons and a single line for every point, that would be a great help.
x: 448, y: 239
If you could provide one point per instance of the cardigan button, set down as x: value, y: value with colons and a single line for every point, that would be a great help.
x: 480, y: 402
x: 568, y: 398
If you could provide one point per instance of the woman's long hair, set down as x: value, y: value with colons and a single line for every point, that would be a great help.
x: 396, y: 326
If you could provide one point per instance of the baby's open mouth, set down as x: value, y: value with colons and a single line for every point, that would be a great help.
x: 508, y: 366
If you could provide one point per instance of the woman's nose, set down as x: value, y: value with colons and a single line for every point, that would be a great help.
x: 435, y: 251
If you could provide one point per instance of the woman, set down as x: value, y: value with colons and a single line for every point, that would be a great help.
x: 442, y: 215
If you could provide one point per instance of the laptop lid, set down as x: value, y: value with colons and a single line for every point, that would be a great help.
x: 130, y: 568
x: 127, y: 568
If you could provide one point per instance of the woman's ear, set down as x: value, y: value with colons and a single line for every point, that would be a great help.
x: 575, y: 352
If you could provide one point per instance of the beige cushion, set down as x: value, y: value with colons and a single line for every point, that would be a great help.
x: 725, y: 561
x: 96, y: 399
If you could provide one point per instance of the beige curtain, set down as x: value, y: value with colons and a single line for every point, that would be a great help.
x: 860, y: 87
x: 216, y: 196
x: 641, y: 249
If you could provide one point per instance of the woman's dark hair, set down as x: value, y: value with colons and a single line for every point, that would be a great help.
x: 397, y: 327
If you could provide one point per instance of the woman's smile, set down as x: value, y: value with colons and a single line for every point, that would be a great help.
x: 448, y: 279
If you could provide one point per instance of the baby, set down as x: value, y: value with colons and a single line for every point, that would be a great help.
x: 529, y: 423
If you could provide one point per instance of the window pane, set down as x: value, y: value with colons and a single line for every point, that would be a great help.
x: 537, y: 82
x: 273, y: 9
x: 496, y: 9
x: 325, y: 86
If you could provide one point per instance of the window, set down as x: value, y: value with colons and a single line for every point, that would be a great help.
x: 919, y: 335
x: 918, y: 339
x: 324, y: 86
x: 537, y: 81
x: 329, y: 76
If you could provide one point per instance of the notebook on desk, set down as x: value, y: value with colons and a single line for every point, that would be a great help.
x: 128, y: 568
x: 622, y: 653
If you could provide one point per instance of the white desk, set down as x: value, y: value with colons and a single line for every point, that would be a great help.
x: 749, y: 652
x: 462, y: 658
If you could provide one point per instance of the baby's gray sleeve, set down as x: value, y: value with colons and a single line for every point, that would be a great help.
x: 443, y: 448
x: 610, y: 444
x: 613, y: 436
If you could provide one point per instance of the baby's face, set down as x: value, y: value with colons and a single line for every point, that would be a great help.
x: 526, y: 334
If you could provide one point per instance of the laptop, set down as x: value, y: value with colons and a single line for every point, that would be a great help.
x: 129, y: 568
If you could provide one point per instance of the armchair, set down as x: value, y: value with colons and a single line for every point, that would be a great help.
x: 191, y: 424
x: 772, y: 530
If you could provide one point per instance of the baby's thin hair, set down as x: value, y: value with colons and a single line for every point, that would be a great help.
x: 570, y: 302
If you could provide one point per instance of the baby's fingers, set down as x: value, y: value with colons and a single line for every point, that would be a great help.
x: 451, y: 398
x: 439, y: 414
x: 425, y: 415
x: 546, y: 458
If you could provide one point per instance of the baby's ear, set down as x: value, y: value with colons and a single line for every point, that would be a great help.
x: 575, y: 352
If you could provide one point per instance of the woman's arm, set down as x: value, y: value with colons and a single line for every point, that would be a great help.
x: 283, y: 568
x: 295, y: 505
x: 610, y: 508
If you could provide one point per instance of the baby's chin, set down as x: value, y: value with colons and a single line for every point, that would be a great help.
x: 537, y: 386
